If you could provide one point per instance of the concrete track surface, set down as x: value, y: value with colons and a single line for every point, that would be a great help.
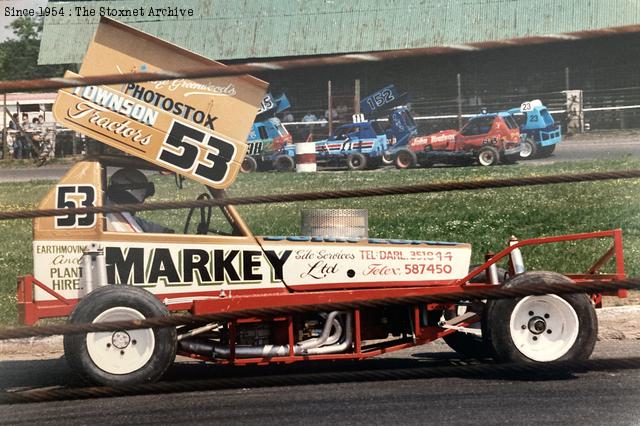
x: 483, y: 396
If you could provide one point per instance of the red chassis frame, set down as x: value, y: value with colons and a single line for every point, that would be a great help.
x: 30, y: 311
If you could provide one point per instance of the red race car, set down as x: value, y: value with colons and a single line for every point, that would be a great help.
x: 487, y: 138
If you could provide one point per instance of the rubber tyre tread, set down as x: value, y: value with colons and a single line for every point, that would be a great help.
x: 107, y: 297
x: 496, y: 155
x: 356, y: 161
x: 284, y: 163
x: 249, y: 165
x: 534, y: 149
x: 546, y: 151
x: 498, y: 313
x: 386, y: 159
x: 467, y: 344
x: 403, y: 165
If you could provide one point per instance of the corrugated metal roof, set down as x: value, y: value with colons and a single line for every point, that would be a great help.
x: 222, y: 29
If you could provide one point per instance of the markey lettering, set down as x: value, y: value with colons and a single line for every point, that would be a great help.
x: 135, y: 266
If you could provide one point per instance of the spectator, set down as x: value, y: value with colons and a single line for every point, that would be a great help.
x: 25, y: 121
x: 309, y: 117
x: 334, y: 114
x: 343, y: 112
x: 12, y: 123
x: 288, y: 118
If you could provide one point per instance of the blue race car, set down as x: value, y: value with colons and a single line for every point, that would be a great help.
x: 358, y: 145
x: 539, y: 132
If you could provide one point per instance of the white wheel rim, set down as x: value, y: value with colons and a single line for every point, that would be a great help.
x: 526, y: 150
x: 544, y: 328
x: 486, y: 158
x: 120, y: 352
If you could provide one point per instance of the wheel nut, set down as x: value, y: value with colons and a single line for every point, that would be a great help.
x: 108, y: 345
x: 133, y: 342
x: 546, y: 315
x: 535, y: 337
x: 524, y: 327
x: 530, y: 313
x: 548, y: 331
x: 121, y: 352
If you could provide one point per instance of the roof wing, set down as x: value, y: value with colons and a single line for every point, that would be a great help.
x: 197, y: 128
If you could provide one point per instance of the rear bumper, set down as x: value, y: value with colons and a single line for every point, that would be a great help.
x: 549, y: 137
x: 513, y: 151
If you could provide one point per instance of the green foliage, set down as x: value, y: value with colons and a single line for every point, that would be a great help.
x: 19, y: 55
x: 484, y: 218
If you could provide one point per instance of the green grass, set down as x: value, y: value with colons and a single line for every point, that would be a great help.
x: 485, y: 218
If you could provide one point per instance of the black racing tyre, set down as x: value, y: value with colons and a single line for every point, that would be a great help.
x: 546, y: 151
x: 387, y: 159
x: 405, y: 159
x: 123, y: 357
x: 529, y: 149
x: 488, y: 156
x: 470, y: 345
x: 538, y: 329
x: 249, y: 165
x: 356, y: 161
x: 284, y: 163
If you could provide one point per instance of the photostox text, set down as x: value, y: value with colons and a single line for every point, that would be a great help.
x: 168, y: 104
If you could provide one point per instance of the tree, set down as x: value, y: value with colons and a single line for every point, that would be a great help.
x: 19, y: 55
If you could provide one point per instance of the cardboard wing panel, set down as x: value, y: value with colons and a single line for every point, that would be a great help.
x: 145, y: 131
x: 197, y: 128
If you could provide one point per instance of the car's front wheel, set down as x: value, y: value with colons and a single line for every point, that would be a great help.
x: 529, y: 149
x: 541, y: 328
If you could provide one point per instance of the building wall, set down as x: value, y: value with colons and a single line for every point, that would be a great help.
x: 241, y: 29
x: 605, y: 69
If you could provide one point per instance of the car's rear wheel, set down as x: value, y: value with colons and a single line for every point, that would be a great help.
x: 120, y: 357
x: 356, y: 161
x: 488, y: 156
x: 387, y: 159
x: 249, y: 165
x: 284, y: 163
x: 405, y: 159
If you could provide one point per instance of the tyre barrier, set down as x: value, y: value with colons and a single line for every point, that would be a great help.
x: 306, y: 157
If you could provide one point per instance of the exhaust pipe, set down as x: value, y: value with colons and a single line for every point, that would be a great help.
x: 324, y: 344
x: 341, y: 347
